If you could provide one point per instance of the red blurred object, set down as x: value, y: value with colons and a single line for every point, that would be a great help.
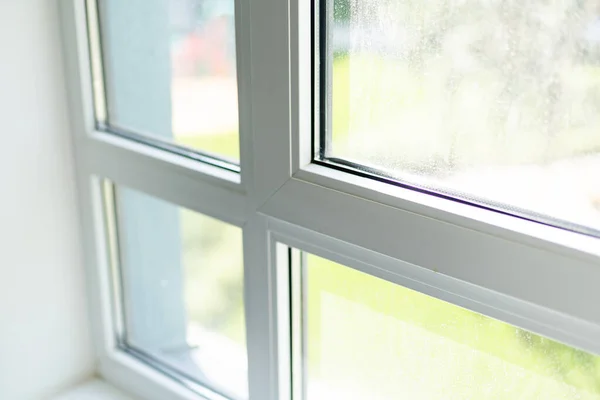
x: 204, y: 51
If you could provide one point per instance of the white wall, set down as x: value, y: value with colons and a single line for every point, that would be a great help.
x: 45, y: 345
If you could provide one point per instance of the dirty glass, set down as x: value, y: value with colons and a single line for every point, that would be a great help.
x: 497, y: 102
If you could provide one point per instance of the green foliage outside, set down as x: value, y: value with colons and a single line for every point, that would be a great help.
x: 341, y: 10
x: 363, y: 348
x: 223, y: 144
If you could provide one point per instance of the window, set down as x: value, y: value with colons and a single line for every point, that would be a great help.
x: 169, y: 72
x: 369, y: 338
x: 308, y: 199
x: 180, y: 282
x: 492, y: 103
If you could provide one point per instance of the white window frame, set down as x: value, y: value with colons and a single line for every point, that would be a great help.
x: 536, y: 277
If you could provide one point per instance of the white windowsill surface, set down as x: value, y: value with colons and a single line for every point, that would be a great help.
x: 93, y: 390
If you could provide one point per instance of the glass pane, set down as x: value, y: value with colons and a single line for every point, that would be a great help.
x: 367, y: 338
x: 182, y: 289
x: 493, y: 101
x: 170, y: 71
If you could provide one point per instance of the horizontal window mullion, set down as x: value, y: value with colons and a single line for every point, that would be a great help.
x: 565, y: 284
x: 200, y: 191
x: 188, y: 153
x: 454, y: 212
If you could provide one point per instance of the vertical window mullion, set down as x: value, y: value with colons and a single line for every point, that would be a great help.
x: 266, y: 166
x: 269, y: 98
x: 266, y: 299
x: 244, y: 88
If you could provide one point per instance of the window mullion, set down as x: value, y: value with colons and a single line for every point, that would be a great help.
x: 265, y: 105
x: 562, y: 283
x: 267, y: 314
x: 269, y: 98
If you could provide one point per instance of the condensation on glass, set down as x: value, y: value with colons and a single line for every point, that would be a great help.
x: 367, y: 338
x: 179, y: 285
x: 493, y: 101
x: 167, y: 69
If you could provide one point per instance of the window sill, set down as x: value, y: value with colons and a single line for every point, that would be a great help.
x: 93, y: 390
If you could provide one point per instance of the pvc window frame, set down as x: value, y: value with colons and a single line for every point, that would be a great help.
x: 533, y: 276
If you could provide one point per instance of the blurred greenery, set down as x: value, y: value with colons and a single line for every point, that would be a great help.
x: 223, y: 144
x: 336, y: 345
x: 341, y: 10
x: 449, y: 86
x: 213, y: 274
x: 388, y: 114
